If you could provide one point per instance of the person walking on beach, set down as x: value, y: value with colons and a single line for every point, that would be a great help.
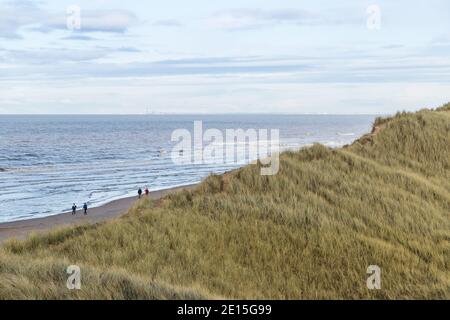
x: 85, y: 207
x: 147, y: 192
x: 74, y: 209
x: 140, y: 192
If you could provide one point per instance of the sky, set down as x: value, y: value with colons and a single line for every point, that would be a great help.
x: 209, y: 56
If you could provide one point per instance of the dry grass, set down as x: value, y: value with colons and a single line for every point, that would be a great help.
x: 308, y: 232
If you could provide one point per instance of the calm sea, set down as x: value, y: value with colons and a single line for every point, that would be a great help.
x: 49, y: 162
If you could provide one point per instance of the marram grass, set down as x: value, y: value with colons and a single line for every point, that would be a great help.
x: 308, y: 232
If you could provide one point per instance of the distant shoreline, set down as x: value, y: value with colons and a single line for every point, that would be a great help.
x: 22, y: 228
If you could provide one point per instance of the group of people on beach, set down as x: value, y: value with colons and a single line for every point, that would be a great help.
x: 146, y: 191
x: 85, y: 206
x: 74, y: 208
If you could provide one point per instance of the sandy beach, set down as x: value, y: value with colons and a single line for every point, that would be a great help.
x: 21, y: 229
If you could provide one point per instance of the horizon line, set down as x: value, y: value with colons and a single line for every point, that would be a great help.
x: 193, y: 114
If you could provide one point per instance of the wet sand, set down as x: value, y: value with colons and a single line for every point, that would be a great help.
x: 113, y: 209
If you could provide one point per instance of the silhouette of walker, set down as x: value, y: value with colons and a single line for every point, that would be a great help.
x: 74, y: 209
x: 140, y: 193
x: 85, y: 207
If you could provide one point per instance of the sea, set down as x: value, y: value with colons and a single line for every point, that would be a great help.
x: 48, y: 162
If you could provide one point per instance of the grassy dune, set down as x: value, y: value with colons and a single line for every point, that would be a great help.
x: 308, y: 232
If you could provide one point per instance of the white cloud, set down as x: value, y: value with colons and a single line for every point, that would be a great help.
x: 187, y: 94
x: 45, y: 57
x: 168, y: 23
x: 95, y: 21
x: 238, y: 19
x: 257, y: 18
x: 18, y: 14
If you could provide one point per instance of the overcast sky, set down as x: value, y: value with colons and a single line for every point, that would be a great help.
x: 203, y: 56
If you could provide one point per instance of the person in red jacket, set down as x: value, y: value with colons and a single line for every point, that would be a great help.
x: 147, y: 191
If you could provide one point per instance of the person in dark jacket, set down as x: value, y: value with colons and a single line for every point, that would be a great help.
x: 85, y: 207
x: 74, y: 209
x: 140, y: 192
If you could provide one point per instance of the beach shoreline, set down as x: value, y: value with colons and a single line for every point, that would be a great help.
x: 22, y: 228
